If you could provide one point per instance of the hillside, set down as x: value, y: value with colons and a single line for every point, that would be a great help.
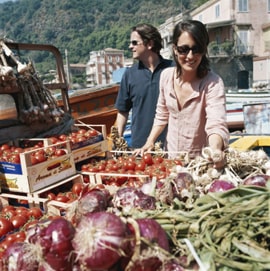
x: 81, y: 26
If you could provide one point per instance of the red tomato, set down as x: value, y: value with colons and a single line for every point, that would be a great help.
x: 8, y: 208
x: 63, y: 137
x: 53, y: 139
x: 77, y: 188
x: 131, y: 165
x: 5, y: 226
x: 18, y: 221
x: 61, y: 198
x: 84, y: 167
x: 140, y: 166
x: 4, y: 147
x: 50, y: 196
x: 60, y: 152
x: 81, y: 131
x: 40, y: 156
x: 16, y: 236
x: 15, y: 158
x: 4, y: 245
x: 148, y: 159
x: 158, y: 159
x: 35, y: 212
x: 93, y: 132
x: 8, y: 213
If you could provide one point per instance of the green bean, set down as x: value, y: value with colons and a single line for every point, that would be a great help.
x: 251, y: 248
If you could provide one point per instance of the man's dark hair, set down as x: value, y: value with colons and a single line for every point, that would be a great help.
x: 149, y: 33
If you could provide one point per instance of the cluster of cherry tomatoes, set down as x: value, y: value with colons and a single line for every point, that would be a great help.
x: 150, y: 165
x: 77, y: 136
x: 65, y: 193
x: 39, y: 154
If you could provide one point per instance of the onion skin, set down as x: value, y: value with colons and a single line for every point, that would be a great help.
x: 130, y: 197
x: 99, y: 240
x: 257, y: 180
x: 182, y: 181
x: 55, y: 239
x: 91, y: 201
x: 153, y: 232
x: 20, y: 256
x: 156, y: 236
x: 220, y: 186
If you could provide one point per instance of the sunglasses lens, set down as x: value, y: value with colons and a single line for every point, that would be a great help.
x: 134, y: 42
x: 184, y: 50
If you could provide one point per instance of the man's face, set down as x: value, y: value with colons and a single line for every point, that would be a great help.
x: 136, y: 45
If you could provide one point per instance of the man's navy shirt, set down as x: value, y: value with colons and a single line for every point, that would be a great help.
x: 139, y: 90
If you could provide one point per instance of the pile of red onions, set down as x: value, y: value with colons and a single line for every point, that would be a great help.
x: 47, y: 247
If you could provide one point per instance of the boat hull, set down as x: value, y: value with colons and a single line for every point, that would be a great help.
x: 94, y: 105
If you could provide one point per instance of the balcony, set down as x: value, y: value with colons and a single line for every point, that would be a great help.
x: 227, y: 49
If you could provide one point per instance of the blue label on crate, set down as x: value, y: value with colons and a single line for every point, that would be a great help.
x: 11, y: 168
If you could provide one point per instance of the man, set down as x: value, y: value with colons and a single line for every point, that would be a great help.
x: 139, y: 87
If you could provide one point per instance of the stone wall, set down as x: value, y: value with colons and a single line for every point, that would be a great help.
x: 236, y: 72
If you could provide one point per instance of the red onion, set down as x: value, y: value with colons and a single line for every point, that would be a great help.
x: 257, y: 180
x: 100, y: 240
x: 54, y: 237
x: 149, y: 258
x: 220, y: 186
x: 21, y: 256
x: 92, y: 201
x: 182, y: 181
x: 130, y: 197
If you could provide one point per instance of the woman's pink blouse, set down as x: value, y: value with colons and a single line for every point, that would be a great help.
x: 203, y: 114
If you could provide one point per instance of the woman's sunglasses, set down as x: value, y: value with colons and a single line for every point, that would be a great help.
x: 184, y: 50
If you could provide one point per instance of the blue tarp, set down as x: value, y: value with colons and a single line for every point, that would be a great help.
x: 117, y: 75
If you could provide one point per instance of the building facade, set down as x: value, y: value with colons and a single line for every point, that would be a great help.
x: 101, y: 65
x: 239, y: 32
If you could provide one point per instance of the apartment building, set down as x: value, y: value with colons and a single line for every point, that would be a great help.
x: 101, y: 65
x: 239, y: 32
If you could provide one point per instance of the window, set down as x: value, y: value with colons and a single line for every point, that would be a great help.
x: 217, y: 11
x: 242, y: 42
x: 242, y: 5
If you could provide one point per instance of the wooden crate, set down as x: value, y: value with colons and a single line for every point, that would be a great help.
x: 28, y: 178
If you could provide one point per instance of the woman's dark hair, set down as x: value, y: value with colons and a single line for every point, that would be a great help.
x: 149, y: 33
x: 200, y: 35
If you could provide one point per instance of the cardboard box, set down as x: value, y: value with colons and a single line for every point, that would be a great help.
x: 27, y: 178
x: 81, y: 150
x: 91, y: 147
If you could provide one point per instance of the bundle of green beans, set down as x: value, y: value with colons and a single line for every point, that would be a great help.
x: 228, y: 230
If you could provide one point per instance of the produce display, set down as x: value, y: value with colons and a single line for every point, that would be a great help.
x: 185, y: 215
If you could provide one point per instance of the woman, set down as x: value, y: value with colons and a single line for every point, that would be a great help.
x: 191, y: 99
